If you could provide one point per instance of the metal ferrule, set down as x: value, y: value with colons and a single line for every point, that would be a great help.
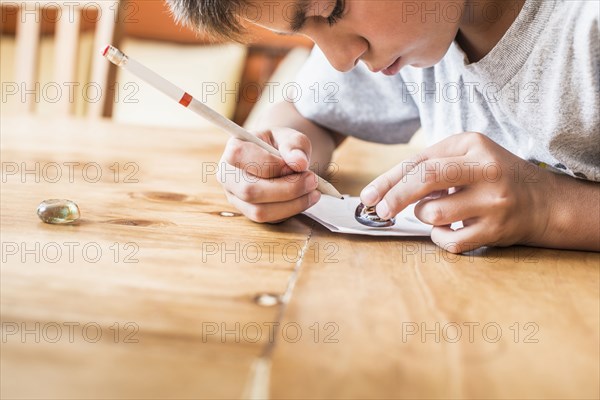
x: 116, y: 56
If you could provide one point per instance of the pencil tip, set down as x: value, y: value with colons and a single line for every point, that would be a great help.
x: 105, y: 50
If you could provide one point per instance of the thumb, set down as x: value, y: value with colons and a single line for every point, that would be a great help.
x: 294, y: 146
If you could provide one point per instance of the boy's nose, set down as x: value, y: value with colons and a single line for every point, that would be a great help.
x: 341, y: 62
x: 342, y: 54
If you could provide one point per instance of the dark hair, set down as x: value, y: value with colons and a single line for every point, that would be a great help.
x: 217, y: 18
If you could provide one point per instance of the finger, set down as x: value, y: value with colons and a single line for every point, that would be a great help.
x: 437, y: 194
x: 375, y: 190
x: 447, y: 209
x: 273, y: 212
x: 251, y: 159
x: 454, y: 146
x: 257, y: 190
x: 425, y: 178
x: 458, y: 241
x: 295, y: 148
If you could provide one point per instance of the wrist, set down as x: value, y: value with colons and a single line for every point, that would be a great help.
x: 567, y: 214
x: 545, y: 220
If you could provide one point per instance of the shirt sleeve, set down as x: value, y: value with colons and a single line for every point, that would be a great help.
x: 359, y: 103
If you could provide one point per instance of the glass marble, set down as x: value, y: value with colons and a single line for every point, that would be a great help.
x: 368, y: 216
x: 58, y: 211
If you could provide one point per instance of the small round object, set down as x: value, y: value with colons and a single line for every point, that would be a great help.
x: 368, y: 216
x: 58, y: 211
x: 267, y: 299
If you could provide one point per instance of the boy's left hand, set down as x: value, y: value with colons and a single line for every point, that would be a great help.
x: 500, y: 198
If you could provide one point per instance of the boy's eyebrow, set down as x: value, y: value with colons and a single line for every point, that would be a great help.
x: 299, y: 19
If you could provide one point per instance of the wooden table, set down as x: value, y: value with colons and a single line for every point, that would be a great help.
x: 153, y: 294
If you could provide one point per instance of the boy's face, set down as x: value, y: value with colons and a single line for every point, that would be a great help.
x: 385, y: 34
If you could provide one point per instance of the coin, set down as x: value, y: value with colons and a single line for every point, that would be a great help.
x: 368, y: 216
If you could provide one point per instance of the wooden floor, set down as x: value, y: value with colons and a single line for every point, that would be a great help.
x: 162, y: 290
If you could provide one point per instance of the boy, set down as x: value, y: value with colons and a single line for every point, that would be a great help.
x: 507, y: 90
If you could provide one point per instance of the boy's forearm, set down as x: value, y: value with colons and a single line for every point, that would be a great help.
x: 323, y: 141
x: 574, y: 221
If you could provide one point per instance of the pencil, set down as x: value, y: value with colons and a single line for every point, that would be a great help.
x: 119, y: 58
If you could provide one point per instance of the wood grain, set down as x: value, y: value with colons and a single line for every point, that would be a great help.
x: 360, y: 295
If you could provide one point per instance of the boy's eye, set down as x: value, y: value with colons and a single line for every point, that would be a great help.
x: 337, y: 13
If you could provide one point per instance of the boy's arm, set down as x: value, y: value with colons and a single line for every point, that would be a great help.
x: 574, y: 215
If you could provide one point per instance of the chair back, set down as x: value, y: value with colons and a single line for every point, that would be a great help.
x: 64, y: 88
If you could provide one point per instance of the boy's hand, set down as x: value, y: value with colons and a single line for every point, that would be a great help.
x: 500, y: 198
x: 264, y: 187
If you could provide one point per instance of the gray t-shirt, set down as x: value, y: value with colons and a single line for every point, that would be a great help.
x: 537, y: 93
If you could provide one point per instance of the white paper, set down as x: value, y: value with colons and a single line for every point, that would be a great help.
x: 337, y: 215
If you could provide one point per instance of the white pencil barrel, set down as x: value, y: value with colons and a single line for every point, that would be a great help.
x: 229, y: 126
x: 117, y: 57
x: 154, y: 79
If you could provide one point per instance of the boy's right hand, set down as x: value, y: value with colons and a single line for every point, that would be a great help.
x: 264, y: 187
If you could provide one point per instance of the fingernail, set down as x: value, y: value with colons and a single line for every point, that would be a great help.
x: 369, y: 195
x: 314, y: 197
x: 298, y: 154
x: 383, y: 209
x: 311, y: 183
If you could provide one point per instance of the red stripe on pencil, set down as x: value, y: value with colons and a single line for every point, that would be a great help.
x: 186, y: 99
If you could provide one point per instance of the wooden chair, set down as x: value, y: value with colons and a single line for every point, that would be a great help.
x: 30, y: 16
